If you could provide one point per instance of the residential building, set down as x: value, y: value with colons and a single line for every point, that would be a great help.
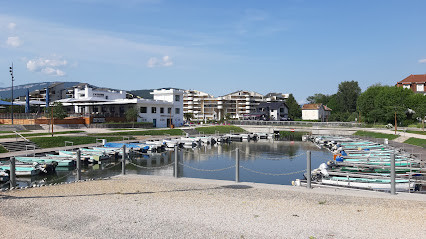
x: 275, y: 97
x: 238, y: 104
x: 269, y: 111
x: 202, y: 106
x: 416, y: 83
x: 315, y: 112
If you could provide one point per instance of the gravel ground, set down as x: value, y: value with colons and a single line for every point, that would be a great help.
x: 138, y: 206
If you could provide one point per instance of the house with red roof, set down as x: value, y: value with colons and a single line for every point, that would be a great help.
x: 315, y: 112
x: 416, y: 83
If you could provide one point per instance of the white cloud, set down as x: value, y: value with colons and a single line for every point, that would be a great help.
x: 14, y: 41
x: 11, y: 26
x: 47, y: 66
x: 422, y: 60
x: 155, y: 62
x: 52, y: 71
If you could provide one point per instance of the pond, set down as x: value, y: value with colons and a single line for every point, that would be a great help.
x: 263, y: 161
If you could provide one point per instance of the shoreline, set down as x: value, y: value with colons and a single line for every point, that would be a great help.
x: 163, y: 207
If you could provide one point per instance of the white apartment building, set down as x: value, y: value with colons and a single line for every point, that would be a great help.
x: 201, y: 105
x: 238, y: 104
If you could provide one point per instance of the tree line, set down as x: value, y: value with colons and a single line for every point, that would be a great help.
x: 378, y: 104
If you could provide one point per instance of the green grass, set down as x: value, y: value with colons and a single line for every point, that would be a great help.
x: 3, y: 150
x: 416, y: 141
x: 145, y: 132
x: 59, y: 141
x: 222, y: 129
x: 41, y: 134
x: 297, y: 135
x: 376, y: 135
x: 416, y: 132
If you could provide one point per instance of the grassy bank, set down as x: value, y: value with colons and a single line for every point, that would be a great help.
x: 223, y: 129
x: 297, y: 135
x: 416, y: 141
x: 59, y: 141
x: 3, y: 150
x: 145, y: 132
x: 41, y: 134
x: 376, y: 135
x: 416, y: 132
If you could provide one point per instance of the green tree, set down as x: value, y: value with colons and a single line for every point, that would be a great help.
x: 417, y: 102
x: 188, y: 116
x: 294, y: 111
x: 132, y: 115
x: 381, y: 103
x: 318, y: 98
x: 58, y: 111
x: 347, y: 95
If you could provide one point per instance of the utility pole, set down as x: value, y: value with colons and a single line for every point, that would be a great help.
x: 13, y: 79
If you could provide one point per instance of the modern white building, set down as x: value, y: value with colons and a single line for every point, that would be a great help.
x: 106, y: 104
x: 315, y: 112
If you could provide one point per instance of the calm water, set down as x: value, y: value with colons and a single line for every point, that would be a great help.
x: 274, y: 157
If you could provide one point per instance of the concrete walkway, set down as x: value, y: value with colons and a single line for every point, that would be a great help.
x: 137, y: 206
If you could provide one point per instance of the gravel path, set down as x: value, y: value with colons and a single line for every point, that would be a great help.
x: 137, y: 206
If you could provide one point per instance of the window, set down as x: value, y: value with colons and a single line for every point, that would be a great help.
x: 143, y: 110
x: 406, y: 86
x: 169, y: 110
x: 162, y: 110
x: 177, y: 110
x: 177, y: 97
x: 106, y: 97
x: 153, y: 110
x: 420, y: 87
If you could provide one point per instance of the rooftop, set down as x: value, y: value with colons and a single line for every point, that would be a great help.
x: 414, y: 79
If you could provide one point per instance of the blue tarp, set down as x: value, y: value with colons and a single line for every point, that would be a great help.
x: 2, y: 102
x: 47, y: 97
x: 27, y: 102
x: 119, y: 145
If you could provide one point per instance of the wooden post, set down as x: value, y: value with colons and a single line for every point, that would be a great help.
x: 395, y: 122
x: 393, y: 185
x: 308, y: 169
x: 237, y: 165
x: 12, y: 173
x: 123, y: 161
x: 176, y: 162
x: 78, y: 165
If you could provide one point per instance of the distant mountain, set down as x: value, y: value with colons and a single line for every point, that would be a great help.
x: 21, y: 90
x: 142, y: 93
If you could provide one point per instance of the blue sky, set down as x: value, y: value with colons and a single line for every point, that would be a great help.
x: 288, y: 46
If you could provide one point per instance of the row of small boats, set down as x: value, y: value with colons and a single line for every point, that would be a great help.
x: 47, y: 163
x: 364, y: 164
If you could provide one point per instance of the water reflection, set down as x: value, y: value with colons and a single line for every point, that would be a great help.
x: 262, y: 156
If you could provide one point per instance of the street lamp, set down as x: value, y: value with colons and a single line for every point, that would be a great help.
x: 13, y: 79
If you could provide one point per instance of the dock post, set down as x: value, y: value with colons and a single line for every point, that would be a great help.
x: 308, y: 169
x: 393, y: 185
x: 237, y: 165
x: 123, y: 161
x: 12, y: 174
x: 78, y: 165
x: 176, y: 162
